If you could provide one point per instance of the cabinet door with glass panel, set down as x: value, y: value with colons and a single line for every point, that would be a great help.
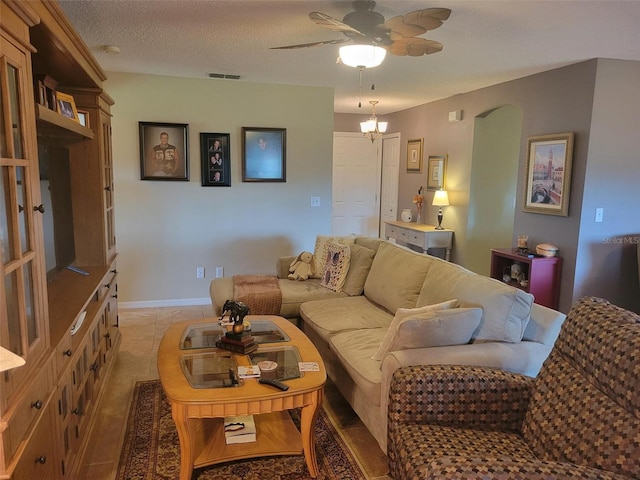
x: 23, y: 288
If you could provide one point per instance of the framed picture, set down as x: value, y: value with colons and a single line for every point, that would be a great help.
x: 67, y: 106
x: 436, y: 172
x: 548, y: 174
x: 414, y: 155
x: 83, y: 118
x: 264, y: 154
x: 164, y: 151
x: 215, y: 159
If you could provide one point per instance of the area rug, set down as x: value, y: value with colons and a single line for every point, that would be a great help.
x: 151, y: 448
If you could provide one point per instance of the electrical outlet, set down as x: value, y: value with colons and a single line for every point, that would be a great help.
x: 200, y: 272
x: 599, y: 215
x: 219, y: 272
x: 315, y: 201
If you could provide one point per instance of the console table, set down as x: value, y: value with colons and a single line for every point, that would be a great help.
x: 423, y: 236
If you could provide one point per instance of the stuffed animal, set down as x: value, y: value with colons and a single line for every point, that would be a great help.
x: 302, y: 267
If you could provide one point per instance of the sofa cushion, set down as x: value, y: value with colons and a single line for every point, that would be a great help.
x: 370, y: 242
x: 396, y: 276
x: 336, y: 267
x: 506, y: 309
x: 295, y: 293
x: 359, y: 266
x: 436, y: 329
x: 334, y: 315
x: 400, y: 315
x: 321, y: 247
x: 354, y: 348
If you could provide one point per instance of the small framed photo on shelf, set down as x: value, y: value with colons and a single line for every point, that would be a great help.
x: 264, y: 154
x: 414, y: 155
x: 67, y: 106
x: 215, y: 159
x: 83, y: 118
x: 549, y: 174
x: 164, y: 151
x: 436, y: 172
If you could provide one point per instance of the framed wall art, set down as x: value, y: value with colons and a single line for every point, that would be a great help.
x: 436, y: 172
x: 548, y: 175
x: 164, y: 151
x: 414, y: 155
x: 215, y: 159
x: 264, y: 154
x: 67, y: 106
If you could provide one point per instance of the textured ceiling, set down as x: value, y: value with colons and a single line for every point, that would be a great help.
x: 485, y: 42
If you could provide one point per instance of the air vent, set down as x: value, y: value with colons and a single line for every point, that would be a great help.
x: 225, y: 76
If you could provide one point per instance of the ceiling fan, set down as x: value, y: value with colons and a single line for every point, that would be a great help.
x: 398, y: 35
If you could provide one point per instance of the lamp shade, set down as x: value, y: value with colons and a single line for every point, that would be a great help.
x: 9, y: 360
x: 367, y: 56
x: 440, y: 198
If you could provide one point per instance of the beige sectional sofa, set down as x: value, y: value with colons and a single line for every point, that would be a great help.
x: 397, y: 308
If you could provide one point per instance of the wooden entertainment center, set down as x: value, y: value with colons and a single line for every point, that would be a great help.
x: 63, y: 323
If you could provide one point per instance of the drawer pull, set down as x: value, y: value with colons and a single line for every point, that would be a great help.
x: 37, y: 404
x: 107, y: 285
x: 94, y: 366
x: 39, y: 208
x: 41, y: 460
x: 107, y: 335
x: 76, y: 411
x: 67, y: 352
x: 114, y: 271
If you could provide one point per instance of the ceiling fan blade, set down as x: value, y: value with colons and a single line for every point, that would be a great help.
x: 414, y: 47
x: 416, y: 23
x: 312, y: 44
x: 332, y: 23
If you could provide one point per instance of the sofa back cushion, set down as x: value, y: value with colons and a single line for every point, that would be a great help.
x: 585, y: 404
x: 361, y: 259
x: 506, y: 310
x: 396, y: 276
x: 370, y: 242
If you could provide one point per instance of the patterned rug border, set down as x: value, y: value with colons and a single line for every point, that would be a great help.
x: 142, y: 458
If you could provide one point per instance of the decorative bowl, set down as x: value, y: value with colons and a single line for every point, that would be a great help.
x: 546, y: 250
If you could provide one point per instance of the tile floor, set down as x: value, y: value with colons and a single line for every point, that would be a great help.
x: 141, y: 331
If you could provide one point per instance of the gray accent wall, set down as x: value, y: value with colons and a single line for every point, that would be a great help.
x: 595, y: 99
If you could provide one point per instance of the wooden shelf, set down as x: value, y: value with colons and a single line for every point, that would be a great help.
x: 54, y: 126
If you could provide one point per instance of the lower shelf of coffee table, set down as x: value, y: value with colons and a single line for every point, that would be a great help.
x: 276, y: 434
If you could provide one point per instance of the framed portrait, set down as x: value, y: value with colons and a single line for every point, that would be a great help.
x: 414, y: 155
x: 548, y: 175
x: 264, y: 154
x: 436, y: 172
x: 164, y: 151
x: 67, y: 106
x: 215, y: 159
x: 83, y: 118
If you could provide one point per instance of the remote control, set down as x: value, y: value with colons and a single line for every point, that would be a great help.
x: 274, y: 383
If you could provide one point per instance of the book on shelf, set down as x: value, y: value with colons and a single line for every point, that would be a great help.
x: 239, y: 429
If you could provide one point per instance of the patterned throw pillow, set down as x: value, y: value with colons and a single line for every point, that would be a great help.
x: 320, y: 250
x: 336, y: 266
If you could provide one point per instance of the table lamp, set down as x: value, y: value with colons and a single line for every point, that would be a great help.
x: 440, y: 199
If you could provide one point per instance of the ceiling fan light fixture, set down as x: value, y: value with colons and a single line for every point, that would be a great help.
x: 362, y: 56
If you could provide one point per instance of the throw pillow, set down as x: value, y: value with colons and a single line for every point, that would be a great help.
x: 361, y: 258
x: 336, y: 267
x: 320, y: 250
x: 437, y: 329
x: 403, y: 313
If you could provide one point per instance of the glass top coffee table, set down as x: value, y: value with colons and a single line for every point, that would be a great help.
x: 200, y: 385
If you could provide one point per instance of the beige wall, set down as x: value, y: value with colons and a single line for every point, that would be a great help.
x: 167, y: 229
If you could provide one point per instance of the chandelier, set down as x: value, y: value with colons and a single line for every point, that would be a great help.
x: 372, y: 128
x: 362, y: 56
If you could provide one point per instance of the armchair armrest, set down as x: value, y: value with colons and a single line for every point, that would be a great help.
x: 459, y: 395
x: 282, y: 266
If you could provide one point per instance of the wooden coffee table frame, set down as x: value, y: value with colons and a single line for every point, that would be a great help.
x: 199, y: 412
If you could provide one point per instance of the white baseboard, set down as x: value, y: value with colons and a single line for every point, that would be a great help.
x: 176, y: 302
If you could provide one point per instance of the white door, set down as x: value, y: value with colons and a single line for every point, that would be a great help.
x: 355, y: 186
x: 390, y: 179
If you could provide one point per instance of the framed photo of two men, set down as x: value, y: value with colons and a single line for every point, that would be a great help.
x: 215, y: 159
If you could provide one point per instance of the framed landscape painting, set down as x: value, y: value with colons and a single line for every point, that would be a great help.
x: 436, y: 172
x: 548, y: 174
x: 414, y: 156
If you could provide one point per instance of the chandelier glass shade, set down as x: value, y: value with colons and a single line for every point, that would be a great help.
x: 362, y: 56
x: 372, y: 128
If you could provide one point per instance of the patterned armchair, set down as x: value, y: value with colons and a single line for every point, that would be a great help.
x: 580, y: 418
